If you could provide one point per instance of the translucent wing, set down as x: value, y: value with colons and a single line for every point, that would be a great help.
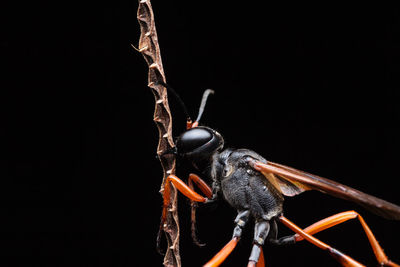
x: 291, y: 182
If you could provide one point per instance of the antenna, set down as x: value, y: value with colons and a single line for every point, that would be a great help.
x: 185, y: 110
x: 189, y: 123
x: 203, y: 102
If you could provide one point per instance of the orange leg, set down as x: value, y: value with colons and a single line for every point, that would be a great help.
x: 261, y: 261
x: 183, y: 188
x: 224, y: 252
x: 342, y: 217
x: 240, y: 222
x: 339, y: 256
x: 193, y: 178
x: 201, y: 184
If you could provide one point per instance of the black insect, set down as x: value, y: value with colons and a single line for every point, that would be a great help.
x: 256, y: 188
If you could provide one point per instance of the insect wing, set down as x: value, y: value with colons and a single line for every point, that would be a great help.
x: 285, y: 186
x: 305, y: 181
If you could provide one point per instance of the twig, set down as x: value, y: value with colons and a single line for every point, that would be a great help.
x: 148, y: 46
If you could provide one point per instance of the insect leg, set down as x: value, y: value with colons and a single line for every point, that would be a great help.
x: 261, y: 230
x: 342, y: 217
x: 222, y: 254
x: 203, y: 186
x: 339, y: 256
x: 240, y: 221
x: 272, y: 237
x: 184, y: 189
x: 193, y: 178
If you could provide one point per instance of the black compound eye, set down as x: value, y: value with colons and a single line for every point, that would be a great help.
x: 192, y: 139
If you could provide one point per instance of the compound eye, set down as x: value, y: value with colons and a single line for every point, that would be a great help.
x: 192, y: 139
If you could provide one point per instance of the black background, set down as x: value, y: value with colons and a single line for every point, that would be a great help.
x: 313, y: 87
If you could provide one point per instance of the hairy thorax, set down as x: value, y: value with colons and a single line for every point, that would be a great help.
x: 243, y: 187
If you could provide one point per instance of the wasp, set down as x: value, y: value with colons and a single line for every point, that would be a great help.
x: 256, y: 188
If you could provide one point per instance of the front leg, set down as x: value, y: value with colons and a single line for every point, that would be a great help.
x: 211, y: 197
x: 185, y: 190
